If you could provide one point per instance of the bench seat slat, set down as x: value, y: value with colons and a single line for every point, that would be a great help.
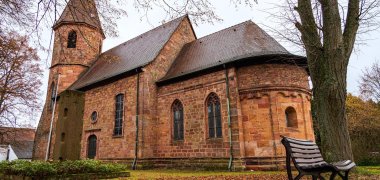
x: 303, y: 151
x: 311, y: 166
x: 301, y: 142
x: 303, y: 146
x: 303, y: 160
x: 308, y: 160
x: 341, y: 163
x: 346, y: 167
x: 301, y: 155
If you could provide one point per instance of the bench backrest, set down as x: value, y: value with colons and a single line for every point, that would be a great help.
x: 304, y: 153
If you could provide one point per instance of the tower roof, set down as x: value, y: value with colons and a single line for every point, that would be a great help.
x: 80, y: 12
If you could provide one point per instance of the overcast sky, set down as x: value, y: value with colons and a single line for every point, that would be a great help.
x: 132, y: 26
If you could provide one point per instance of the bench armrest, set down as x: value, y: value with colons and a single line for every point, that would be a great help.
x: 343, y: 165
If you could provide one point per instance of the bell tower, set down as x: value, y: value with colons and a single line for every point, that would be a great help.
x: 78, y: 38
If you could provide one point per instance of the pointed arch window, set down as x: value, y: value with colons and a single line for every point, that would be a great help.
x: 177, y: 110
x: 214, y: 116
x: 72, y: 39
x: 291, y: 117
x: 118, y: 130
x: 91, y: 148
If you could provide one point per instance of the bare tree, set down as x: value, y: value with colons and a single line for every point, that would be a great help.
x: 328, y: 30
x: 20, y: 75
x: 370, y: 83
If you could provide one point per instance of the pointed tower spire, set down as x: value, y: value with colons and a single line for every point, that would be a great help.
x: 80, y: 12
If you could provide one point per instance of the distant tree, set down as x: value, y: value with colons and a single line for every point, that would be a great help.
x: 370, y: 83
x: 364, y: 128
x: 20, y: 75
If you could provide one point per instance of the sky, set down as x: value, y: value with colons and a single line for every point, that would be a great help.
x: 131, y: 26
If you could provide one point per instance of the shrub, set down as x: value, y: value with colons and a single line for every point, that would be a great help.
x: 43, y: 169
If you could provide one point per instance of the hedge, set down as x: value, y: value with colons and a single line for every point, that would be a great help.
x: 64, y: 168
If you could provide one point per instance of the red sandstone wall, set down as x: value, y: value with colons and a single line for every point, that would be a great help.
x: 193, y: 93
x: 70, y: 63
x: 102, y: 99
x: 265, y: 92
x: 148, y: 89
x: 88, y: 45
x: 267, y: 75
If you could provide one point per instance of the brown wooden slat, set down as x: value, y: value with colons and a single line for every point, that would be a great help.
x: 301, y: 142
x: 302, y: 146
x: 303, y: 160
x: 315, y: 165
x: 300, y: 155
x: 303, y: 151
x: 342, y: 163
x: 346, y: 167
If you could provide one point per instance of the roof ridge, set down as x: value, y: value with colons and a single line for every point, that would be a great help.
x: 227, y: 28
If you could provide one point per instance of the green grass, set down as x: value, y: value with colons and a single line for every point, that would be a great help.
x: 362, y: 172
x: 163, y: 173
x: 368, y: 170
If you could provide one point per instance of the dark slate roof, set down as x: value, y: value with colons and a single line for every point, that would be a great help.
x: 80, y: 11
x: 23, y: 149
x: 234, y: 43
x: 130, y: 55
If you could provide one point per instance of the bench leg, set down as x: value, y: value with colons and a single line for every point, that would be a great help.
x: 321, y: 177
x: 346, y: 175
x: 333, y: 175
x: 298, y: 177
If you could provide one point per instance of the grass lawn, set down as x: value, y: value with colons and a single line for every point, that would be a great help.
x: 367, y: 172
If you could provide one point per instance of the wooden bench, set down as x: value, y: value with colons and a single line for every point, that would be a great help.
x: 307, y: 159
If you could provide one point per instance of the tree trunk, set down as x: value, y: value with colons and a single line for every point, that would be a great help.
x: 329, y: 97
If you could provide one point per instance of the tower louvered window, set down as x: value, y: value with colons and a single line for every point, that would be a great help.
x: 91, y: 149
x: 72, y: 40
x: 53, y: 89
x: 214, y: 116
x: 118, y: 130
x: 177, y: 110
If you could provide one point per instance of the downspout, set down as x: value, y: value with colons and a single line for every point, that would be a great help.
x: 51, y: 122
x: 229, y: 119
x: 137, y: 120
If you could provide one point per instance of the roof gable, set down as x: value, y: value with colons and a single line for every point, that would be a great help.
x: 237, y: 42
x: 130, y: 55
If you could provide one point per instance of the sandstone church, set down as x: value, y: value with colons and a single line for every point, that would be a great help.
x: 167, y: 98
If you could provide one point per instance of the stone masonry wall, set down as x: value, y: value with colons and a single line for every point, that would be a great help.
x: 88, y: 45
x: 265, y: 92
x: 148, y: 90
x: 102, y: 100
x: 69, y: 63
x: 193, y: 94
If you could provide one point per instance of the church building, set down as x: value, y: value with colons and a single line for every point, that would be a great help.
x: 168, y: 98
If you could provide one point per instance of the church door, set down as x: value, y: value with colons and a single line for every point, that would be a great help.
x: 91, y: 149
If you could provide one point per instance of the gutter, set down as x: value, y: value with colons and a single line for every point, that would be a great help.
x: 51, y: 121
x: 137, y: 121
x: 229, y: 119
